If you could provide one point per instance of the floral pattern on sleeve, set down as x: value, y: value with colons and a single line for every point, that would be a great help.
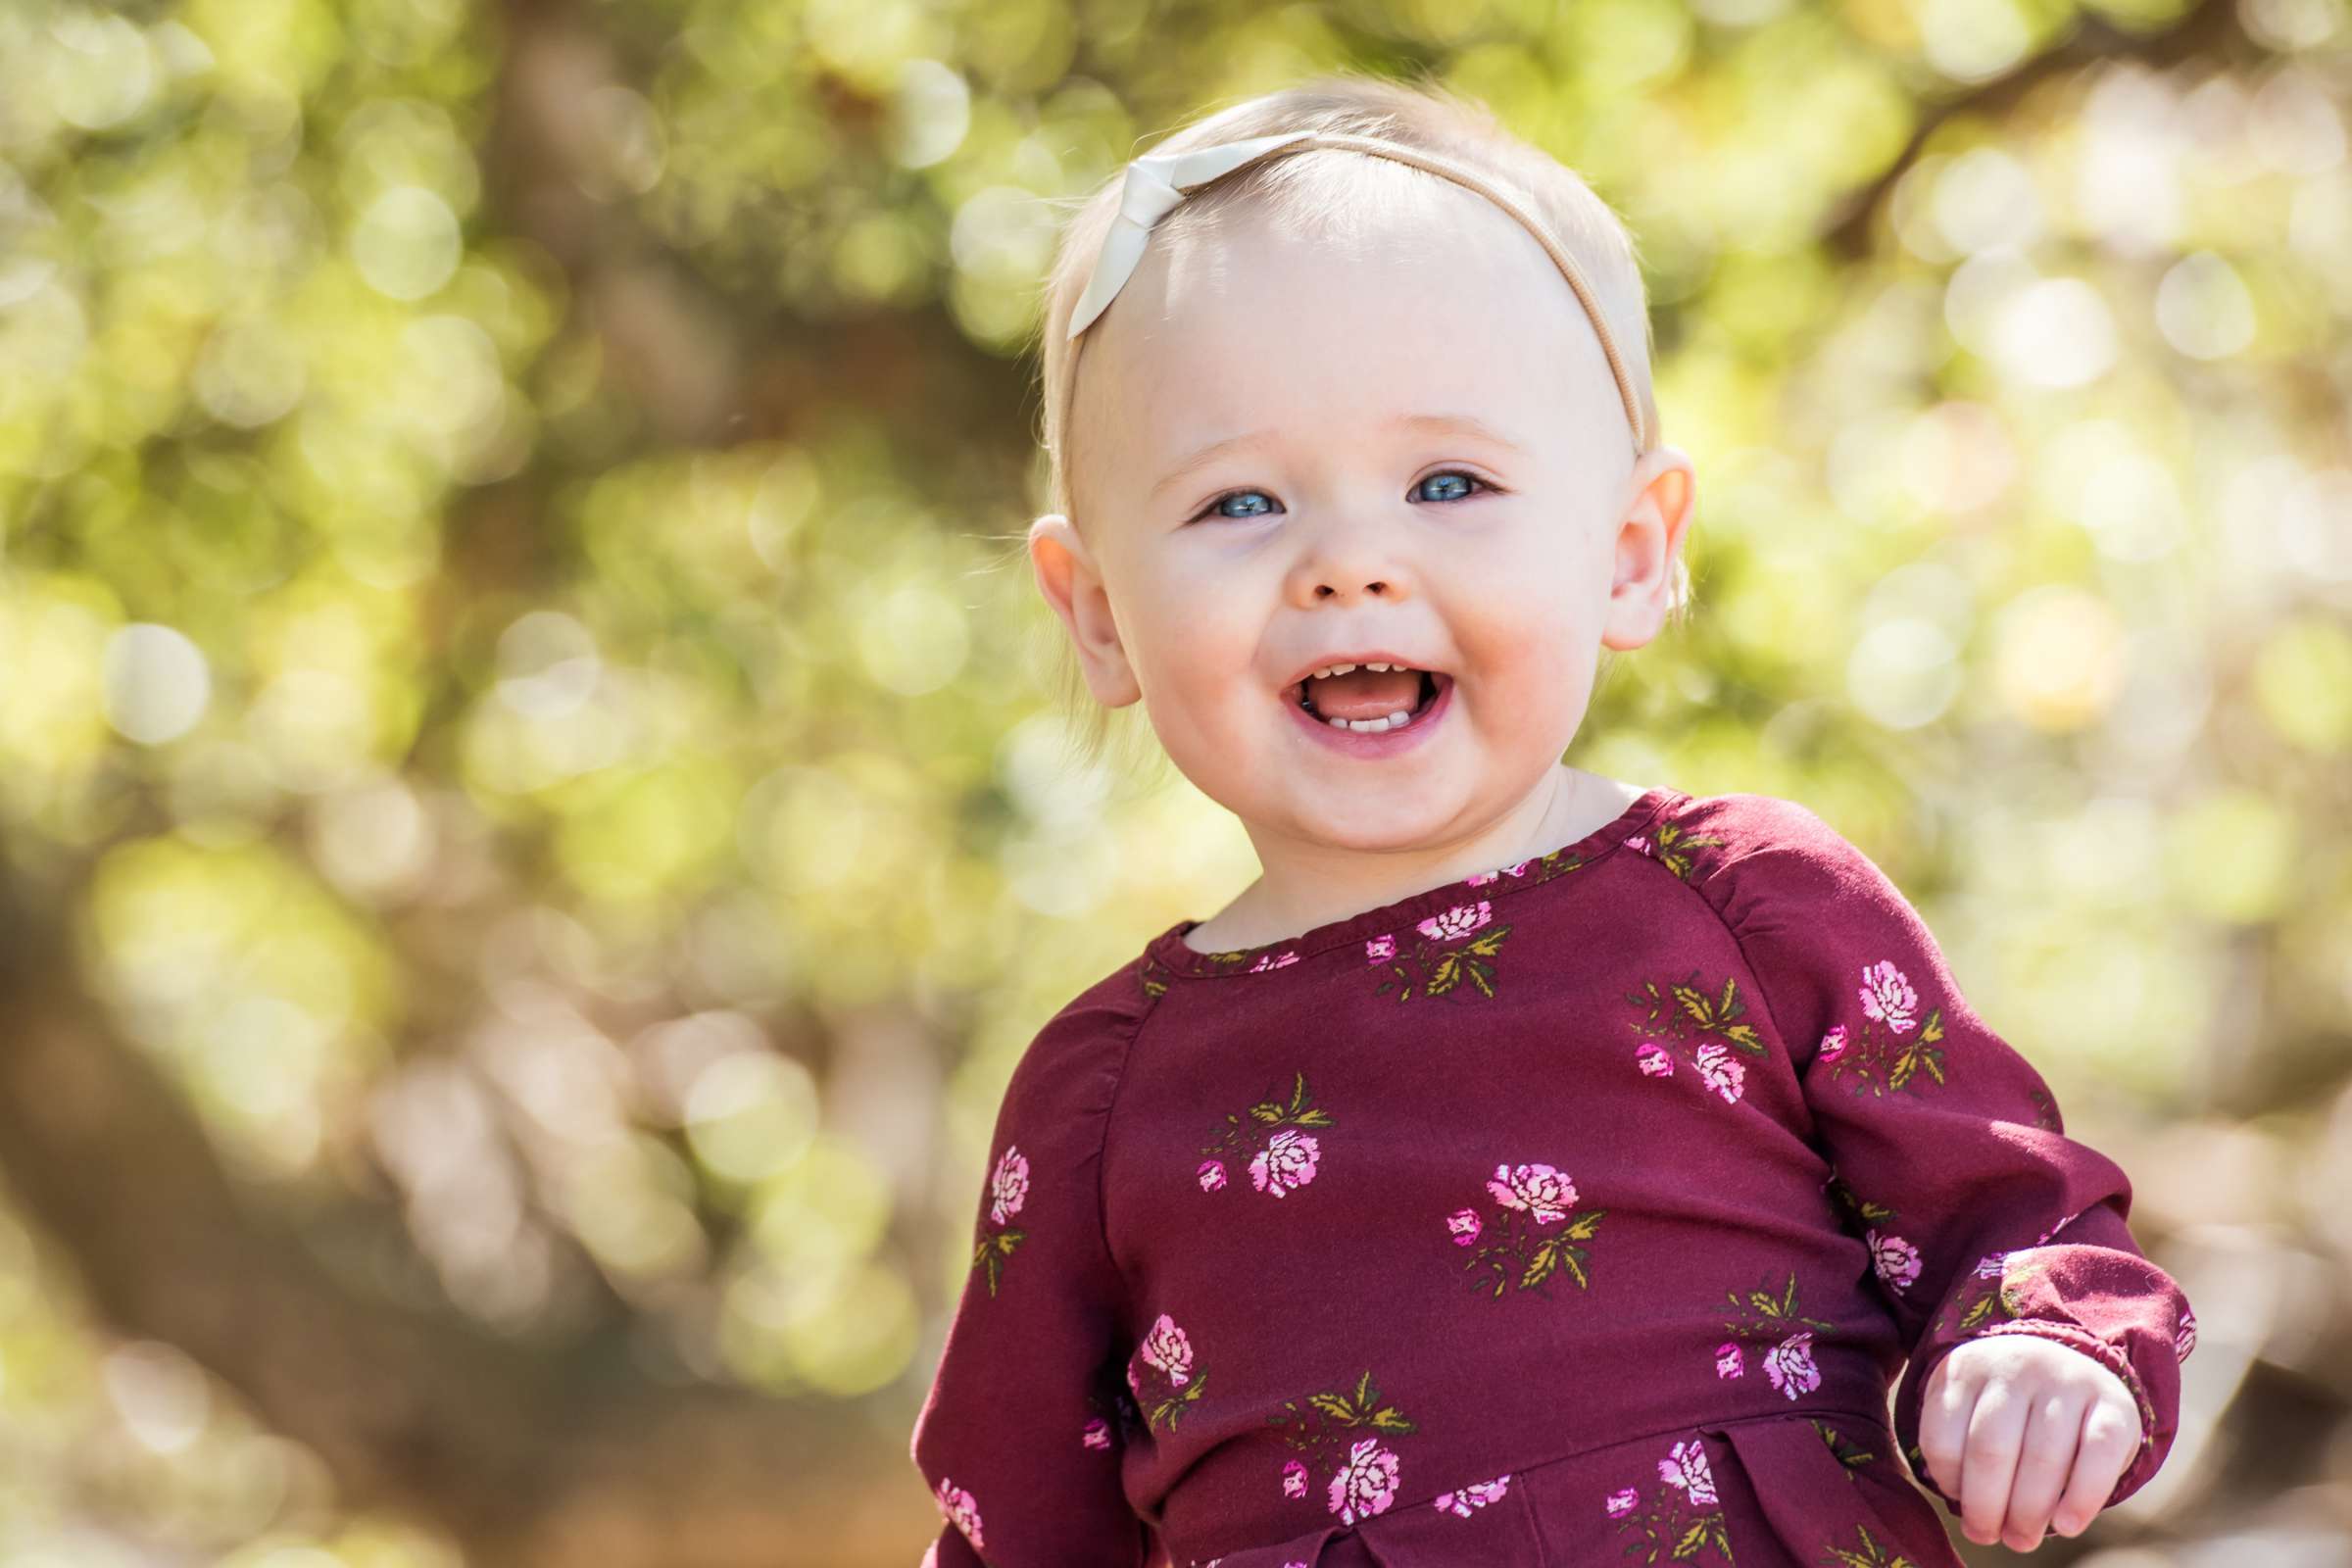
x: 1670, y: 845
x: 1892, y: 1048
x: 1680, y: 1517
x: 1895, y: 1261
x: 956, y: 1506
x: 1533, y: 1234
x: 1363, y: 1480
x: 1688, y: 1017
x: 1008, y: 1190
x: 1289, y: 1158
x: 1170, y: 1380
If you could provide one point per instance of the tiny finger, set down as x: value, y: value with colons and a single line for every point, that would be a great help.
x: 2045, y: 1459
x: 1989, y: 1461
x: 1943, y: 1427
x: 2102, y: 1451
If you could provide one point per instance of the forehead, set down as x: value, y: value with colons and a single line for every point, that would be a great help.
x: 1422, y: 296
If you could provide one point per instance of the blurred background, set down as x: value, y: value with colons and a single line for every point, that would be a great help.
x: 534, y: 824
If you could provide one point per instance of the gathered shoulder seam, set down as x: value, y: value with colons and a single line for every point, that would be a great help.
x: 1755, y: 971
x: 1151, y: 1009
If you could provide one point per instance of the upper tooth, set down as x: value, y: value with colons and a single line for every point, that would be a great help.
x: 1341, y: 669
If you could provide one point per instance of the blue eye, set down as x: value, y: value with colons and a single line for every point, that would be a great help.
x: 1454, y: 473
x: 1470, y: 484
x: 1218, y: 506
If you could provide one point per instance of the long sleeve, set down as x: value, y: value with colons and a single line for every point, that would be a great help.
x: 1950, y: 1161
x: 1022, y: 1432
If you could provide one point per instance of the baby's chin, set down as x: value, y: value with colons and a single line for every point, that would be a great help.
x: 1412, y: 814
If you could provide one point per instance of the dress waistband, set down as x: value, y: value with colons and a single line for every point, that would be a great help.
x: 1184, y: 1549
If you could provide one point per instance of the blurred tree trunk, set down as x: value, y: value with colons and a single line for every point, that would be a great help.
x: 524, y: 1457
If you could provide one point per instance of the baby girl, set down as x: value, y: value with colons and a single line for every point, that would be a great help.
x: 1529, y: 1168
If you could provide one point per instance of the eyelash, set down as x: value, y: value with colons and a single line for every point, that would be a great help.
x: 1485, y: 486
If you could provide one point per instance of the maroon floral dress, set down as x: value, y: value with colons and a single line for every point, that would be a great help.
x: 1582, y: 1211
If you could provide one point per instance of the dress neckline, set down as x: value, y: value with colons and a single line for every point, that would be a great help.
x: 1169, y: 950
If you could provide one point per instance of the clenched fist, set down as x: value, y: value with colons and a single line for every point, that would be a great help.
x: 2027, y: 1435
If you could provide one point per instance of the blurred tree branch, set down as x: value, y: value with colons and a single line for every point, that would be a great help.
x: 666, y: 324
x: 2208, y: 27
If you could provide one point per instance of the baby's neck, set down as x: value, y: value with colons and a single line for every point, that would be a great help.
x: 1289, y: 898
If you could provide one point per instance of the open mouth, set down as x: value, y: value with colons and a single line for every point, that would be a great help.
x: 1369, y: 712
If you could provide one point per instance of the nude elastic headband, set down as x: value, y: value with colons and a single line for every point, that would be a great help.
x: 1157, y: 183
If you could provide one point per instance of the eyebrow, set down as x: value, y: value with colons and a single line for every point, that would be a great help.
x: 1459, y: 423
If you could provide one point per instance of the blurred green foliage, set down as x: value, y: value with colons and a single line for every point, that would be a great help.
x: 506, y: 612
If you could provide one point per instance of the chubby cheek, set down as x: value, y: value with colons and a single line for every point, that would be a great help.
x: 1199, y: 675
x: 1528, y: 675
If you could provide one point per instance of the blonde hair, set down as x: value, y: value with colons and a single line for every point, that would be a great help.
x: 1421, y: 114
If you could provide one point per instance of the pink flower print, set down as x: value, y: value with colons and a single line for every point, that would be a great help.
x: 1212, y: 1175
x: 1479, y: 879
x: 1366, y: 1484
x: 1656, y: 1059
x: 1459, y: 921
x: 1539, y: 1190
x: 1133, y: 1387
x: 1638, y: 843
x: 1380, y: 950
x: 1009, y: 1186
x: 1896, y: 1259
x: 1886, y: 995
x: 1294, y: 1480
x: 1166, y: 1349
x: 1474, y: 1497
x: 1097, y: 1434
x: 1729, y: 1362
x: 1719, y: 1069
x: 1273, y: 961
x: 1288, y: 1161
x: 1832, y: 1045
x: 960, y: 1511
x: 1686, y: 1466
x: 1464, y: 1224
x: 1790, y: 1365
x: 2184, y: 1338
x: 1621, y: 1501
x: 1992, y: 1265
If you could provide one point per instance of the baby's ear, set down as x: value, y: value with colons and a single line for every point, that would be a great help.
x: 1066, y: 574
x: 1648, y: 538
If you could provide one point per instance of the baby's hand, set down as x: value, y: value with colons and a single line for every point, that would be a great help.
x: 2009, y: 1422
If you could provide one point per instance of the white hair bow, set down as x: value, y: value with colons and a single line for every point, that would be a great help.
x: 1155, y: 185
